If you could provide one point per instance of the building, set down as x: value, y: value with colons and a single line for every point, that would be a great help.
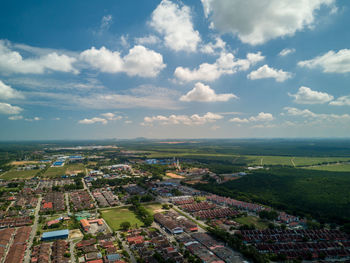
x: 53, y: 235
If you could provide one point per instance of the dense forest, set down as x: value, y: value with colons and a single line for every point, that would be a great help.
x: 318, y: 194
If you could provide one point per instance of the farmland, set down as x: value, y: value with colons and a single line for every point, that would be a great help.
x: 59, y: 171
x: 14, y: 174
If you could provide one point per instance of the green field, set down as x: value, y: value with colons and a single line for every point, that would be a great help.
x: 247, y: 159
x: 14, y: 174
x: 115, y: 216
x: 153, y: 208
x: 251, y: 220
x: 331, y: 167
x: 59, y: 171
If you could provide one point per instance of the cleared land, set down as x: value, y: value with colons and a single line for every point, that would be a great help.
x: 66, y: 169
x: 251, y: 220
x: 176, y: 176
x: 331, y: 167
x: 23, y: 162
x: 115, y: 216
x: 247, y: 159
x: 154, y: 208
x: 14, y: 174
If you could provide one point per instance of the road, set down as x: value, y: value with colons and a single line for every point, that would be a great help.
x: 33, y: 233
x: 67, y: 203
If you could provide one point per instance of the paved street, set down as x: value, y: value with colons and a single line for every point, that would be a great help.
x: 33, y: 233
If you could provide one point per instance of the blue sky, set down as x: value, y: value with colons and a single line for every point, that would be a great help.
x: 174, y: 69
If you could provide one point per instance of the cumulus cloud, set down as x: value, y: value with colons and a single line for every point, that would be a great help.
x: 341, y: 101
x: 148, y: 40
x: 174, y: 22
x: 306, y: 113
x: 330, y: 62
x: 226, y: 64
x: 93, y: 120
x: 140, y: 61
x: 286, y: 51
x: 203, y: 93
x: 306, y: 95
x: 9, y: 109
x: 12, y: 62
x: 265, y: 72
x: 194, y: 119
x: 257, y: 21
x: 16, y: 117
x: 261, y: 117
x: 108, y: 116
x: 6, y: 92
x: 111, y: 116
x: 239, y: 120
x: 211, y: 47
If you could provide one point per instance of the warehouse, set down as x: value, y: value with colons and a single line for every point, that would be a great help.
x: 60, y: 234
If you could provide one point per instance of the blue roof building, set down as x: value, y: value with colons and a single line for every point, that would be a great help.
x: 60, y: 234
x: 113, y: 257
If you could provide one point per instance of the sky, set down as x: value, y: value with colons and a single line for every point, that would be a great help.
x: 174, y: 69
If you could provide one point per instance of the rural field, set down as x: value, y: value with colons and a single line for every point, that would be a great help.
x: 14, y: 174
x: 331, y: 167
x: 59, y: 171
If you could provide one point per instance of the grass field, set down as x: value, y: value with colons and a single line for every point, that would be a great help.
x: 154, y: 208
x: 115, y: 216
x: 251, y: 220
x: 59, y: 171
x: 248, y: 159
x: 14, y: 174
x: 331, y: 167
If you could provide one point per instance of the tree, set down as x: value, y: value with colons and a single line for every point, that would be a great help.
x: 125, y: 225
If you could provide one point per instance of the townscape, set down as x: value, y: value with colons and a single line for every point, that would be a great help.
x: 86, y: 206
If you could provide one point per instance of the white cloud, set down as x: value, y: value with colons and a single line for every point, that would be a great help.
x: 6, y: 92
x: 16, y: 117
x: 13, y: 62
x: 111, y: 116
x: 93, y: 120
x: 6, y: 108
x: 140, y: 61
x: 286, y: 52
x: 204, y: 93
x: 175, y: 24
x: 331, y: 62
x: 33, y: 119
x: 265, y: 72
x: 226, y: 64
x: 150, y: 40
x: 306, y: 113
x: 194, y: 119
x: 210, y: 48
x: 239, y: 120
x: 341, y: 101
x: 257, y: 21
x: 306, y: 95
x: 262, y: 116
x: 106, y: 22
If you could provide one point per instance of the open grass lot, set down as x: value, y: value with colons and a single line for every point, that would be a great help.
x: 331, y: 167
x: 115, y: 216
x: 14, y: 174
x: 251, y: 220
x: 59, y: 171
x: 247, y: 159
x: 154, y: 208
